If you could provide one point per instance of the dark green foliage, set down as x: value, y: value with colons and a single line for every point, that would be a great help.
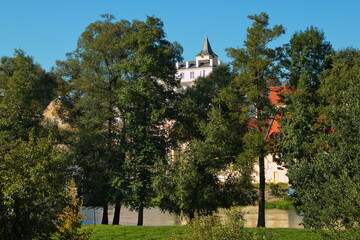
x: 196, y: 102
x: 25, y: 91
x: 325, y: 168
x: 190, y: 184
x: 32, y: 172
x: 247, y: 97
x: 307, y: 55
x: 146, y: 101
x: 33, y: 176
x: 92, y: 75
x: 277, y: 190
x: 122, y: 78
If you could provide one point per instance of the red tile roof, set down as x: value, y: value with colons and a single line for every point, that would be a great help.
x: 275, y: 92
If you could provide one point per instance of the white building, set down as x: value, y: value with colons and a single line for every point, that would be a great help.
x: 203, y: 65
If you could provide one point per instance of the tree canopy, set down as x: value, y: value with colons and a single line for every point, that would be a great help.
x: 247, y: 97
x: 324, y: 169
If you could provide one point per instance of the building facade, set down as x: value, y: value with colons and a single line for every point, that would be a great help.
x: 204, y: 64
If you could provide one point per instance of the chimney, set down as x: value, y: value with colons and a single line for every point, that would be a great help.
x: 197, y: 63
x: 187, y: 64
x: 211, y: 62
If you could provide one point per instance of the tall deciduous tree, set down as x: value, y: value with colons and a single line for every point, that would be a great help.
x: 195, y: 103
x: 94, y: 71
x: 255, y: 65
x: 325, y: 168
x: 25, y: 91
x: 32, y: 172
x: 123, y: 78
x: 190, y: 183
x: 306, y: 57
x: 146, y: 100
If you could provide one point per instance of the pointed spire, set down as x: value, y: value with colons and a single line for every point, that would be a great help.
x: 206, y: 49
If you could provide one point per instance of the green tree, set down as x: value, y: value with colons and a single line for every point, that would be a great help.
x: 255, y: 65
x: 70, y: 220
x: 195, y: 102
x: 146, y: 100
x: 94, y: 73
x: 25, y: 91
x: 325, y: 171
x: 306, y: 57
x: 33, y: 176
x: 190, y: 185
x: 122, y: 74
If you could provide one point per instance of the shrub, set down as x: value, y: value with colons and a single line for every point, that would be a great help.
x: 277, y: 190
x: 230, y: 228
x: 70, y: 220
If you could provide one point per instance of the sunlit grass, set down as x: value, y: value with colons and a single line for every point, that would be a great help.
x: 108, y: 232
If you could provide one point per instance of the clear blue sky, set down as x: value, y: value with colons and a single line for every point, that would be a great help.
x: 48, y: 29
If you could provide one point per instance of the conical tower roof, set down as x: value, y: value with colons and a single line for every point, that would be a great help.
x: 206, y: 49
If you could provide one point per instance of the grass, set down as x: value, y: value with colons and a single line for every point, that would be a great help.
x: 108, y: 232
x: 267, y: 185
x: 285, y: 204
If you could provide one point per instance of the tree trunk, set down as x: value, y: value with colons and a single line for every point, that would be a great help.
x: 191, y: 215
x: 141, y: 216
x: 261, y: 214
x: 105, y: 217
x: 116, y: 219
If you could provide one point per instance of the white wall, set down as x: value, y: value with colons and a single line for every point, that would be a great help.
x: 274, y: 173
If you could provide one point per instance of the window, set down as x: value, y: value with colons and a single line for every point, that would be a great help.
x: 56, y: 121
x: 276, y: 177
x: 181, y: 75
x: 63, y: 121
x: 192, y: 75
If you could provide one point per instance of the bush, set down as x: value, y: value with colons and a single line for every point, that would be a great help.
x: 69, y: 226
x: 231, y: 228
x: 278, y: 190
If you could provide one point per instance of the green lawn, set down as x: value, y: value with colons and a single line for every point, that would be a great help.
x: 101, y: 232
x: 284, y: 204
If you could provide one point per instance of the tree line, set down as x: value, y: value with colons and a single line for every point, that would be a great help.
x: 127, y: 113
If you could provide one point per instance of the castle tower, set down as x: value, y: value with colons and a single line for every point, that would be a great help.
x: 204, y: 64
x: 206, y: 52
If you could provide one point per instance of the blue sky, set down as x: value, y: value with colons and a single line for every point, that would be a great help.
x: 48, y: 29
